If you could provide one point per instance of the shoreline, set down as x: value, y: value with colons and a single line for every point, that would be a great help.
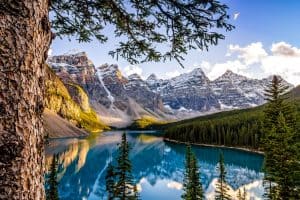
x: 213, y: 145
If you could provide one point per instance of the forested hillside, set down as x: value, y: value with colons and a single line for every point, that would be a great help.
x: 233, y: 128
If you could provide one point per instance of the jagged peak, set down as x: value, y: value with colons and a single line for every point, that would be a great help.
x: 231, y: 75
x: 152, y: 77
x: 134, y: 76
x: 75, y: 52
x: 198, y: 71
x: 107, y: 66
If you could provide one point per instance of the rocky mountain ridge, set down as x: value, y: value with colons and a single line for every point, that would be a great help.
x: 120, y: 100
x: 194, y: 91
x: 117, y: 99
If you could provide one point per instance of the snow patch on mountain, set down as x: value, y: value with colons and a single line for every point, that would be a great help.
x: 109, y: 95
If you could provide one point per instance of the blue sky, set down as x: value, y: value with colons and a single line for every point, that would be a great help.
x: 266, y: 41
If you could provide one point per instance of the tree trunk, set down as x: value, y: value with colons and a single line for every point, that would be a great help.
x: 24, y: 41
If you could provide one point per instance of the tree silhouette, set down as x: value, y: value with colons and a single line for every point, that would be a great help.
x: 192, y: 186
x: 119, y: 180
x: 281, y: 145
x: 52, y: 183
x: 221, y: 186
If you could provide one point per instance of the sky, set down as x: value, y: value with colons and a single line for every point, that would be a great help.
x: 266, y: 41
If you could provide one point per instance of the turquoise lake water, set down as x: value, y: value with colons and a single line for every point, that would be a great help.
x: 158, y: 166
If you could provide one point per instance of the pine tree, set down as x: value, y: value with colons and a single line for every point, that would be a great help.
x: 283, y: 156
x: 239, y: 196
x: 110, y: 182
x: 197, y: 191
x: 187, y: 186
x: 192, y: 186
x: 274, y: 94
x: 221, y: 187
x: 244, y: 194
x: 280, y: 144
x: 124, y: 187
x: 52, y: 190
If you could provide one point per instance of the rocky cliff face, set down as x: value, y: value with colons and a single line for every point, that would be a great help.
x: 190, y: 91
x: 70, y: 102
x: 195, y: 92
x: 77, y: 68
x: 116, y: 98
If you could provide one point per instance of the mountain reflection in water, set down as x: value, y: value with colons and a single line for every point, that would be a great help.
x: 158, y: 166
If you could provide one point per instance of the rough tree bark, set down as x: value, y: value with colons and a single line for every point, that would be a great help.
x: 24, y: 41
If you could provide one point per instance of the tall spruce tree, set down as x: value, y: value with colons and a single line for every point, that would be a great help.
x: 52, y: 183
x: 192, y: 186
x: 282, y: 154
x: 275, y: 96
x: 110, y: 182
x: 242, y: 195
x: 124, y: 187
x: 239, y: 196
x: 281, y: 145
x: 221, y: 186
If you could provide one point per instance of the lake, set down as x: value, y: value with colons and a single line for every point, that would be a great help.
x: 158, y: 166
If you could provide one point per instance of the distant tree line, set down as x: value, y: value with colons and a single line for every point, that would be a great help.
x: 242, y: 130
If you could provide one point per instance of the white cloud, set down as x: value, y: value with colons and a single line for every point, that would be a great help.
x: 287, y: 67
x: 284, y: 49
x: 132, y: 69
x: 236, y: 15
x: 249, y: 54
x: 172, y: 74
x: 218, y: 69
x: 283, y: 60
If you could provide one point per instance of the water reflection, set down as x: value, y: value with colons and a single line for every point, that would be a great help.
x: 157, y: 166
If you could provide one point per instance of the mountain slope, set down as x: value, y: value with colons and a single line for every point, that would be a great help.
x: 117, y: 99
x: 194, y: 92
x: 230, y: 125
x: 121, y: 101
x: 71, y: 103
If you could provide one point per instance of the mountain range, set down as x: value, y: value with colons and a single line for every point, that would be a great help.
x: 119, y: 100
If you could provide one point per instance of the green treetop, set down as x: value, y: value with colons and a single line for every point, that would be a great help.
x: 221, y: 186
x: 192, y: 186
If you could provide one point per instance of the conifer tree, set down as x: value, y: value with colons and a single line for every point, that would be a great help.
x: 244, y: 194
x: 239, y: 196
x: 274, y: 94
x: 283, y: 155
x: 221, y: 187
x: 110, y: 182
x: 281, y: 164
x: 124, y: 188
x: 192, y: 186
x: 52, y: 190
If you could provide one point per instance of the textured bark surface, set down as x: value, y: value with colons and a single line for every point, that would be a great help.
x: 24, y: 40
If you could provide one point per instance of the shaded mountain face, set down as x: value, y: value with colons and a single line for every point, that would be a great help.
x: 120, y: 99
x: 190, y: 91
x: 194, y: 91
